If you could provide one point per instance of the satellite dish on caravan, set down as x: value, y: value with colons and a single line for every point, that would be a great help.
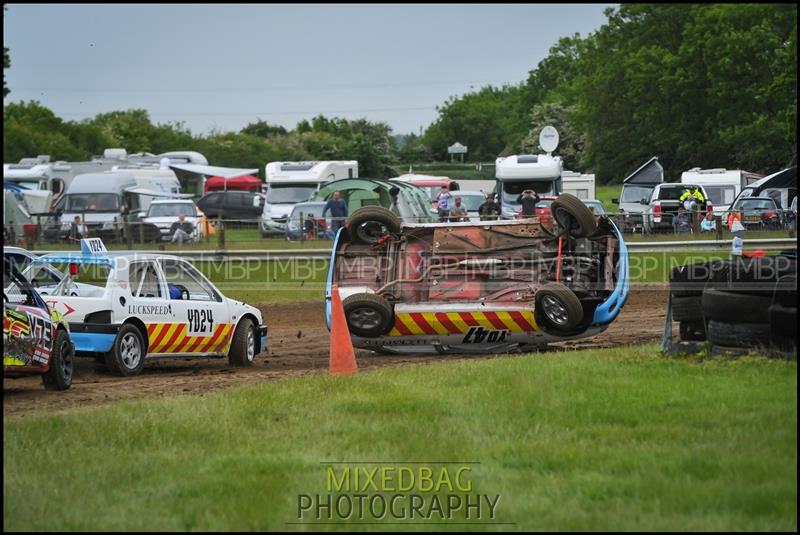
x: 548, y: 139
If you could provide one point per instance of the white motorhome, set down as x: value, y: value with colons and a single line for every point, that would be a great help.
x: 289, y: 183
x: 579, y: 184
x: 37, y: 181
x: 722, y: 185
x: 151, y: 178
x: 515, y: 174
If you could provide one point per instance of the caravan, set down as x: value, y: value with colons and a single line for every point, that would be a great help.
x: 722, y: 185
x: 289, y: 183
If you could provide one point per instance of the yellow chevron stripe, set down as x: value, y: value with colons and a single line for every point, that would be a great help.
x: 480, y: 317
x: 410, y: 324
x: 228, y: 341
x: 179, y: 340
x: 430, y: 317
x: 170, y: 331
x: 455, y: 319
x: 509, y: 322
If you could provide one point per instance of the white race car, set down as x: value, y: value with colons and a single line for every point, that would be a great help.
x: 129, y: 306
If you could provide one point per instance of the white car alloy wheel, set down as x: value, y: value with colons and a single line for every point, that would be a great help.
x: 130, y: 351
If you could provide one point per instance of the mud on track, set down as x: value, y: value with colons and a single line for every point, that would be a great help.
x: 298, y: 345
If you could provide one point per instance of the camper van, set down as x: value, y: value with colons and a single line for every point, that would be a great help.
x: 151, y: 178
x: 515, y: 174
x: 100, y: 199
x: 289, y: 183
x: 722, y: 185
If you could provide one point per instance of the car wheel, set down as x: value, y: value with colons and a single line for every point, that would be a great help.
x: 369, y: 224
x: 126, y: 357
x: 243, y: 346
x: 368, y: 315
x: 571, y: 214
x: 558, y: 307
x: 59, y: 375
x: 738, y: 334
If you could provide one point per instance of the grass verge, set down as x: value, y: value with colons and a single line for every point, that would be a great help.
x: 618, y: 439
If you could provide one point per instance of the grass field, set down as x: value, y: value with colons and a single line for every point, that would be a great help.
x: 617, y: 439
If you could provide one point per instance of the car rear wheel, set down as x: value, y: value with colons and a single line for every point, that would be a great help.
x: 573, y: 216
x: 243, y: 347
x: 59, y: 376
x: 558, y: 307
x: 368, y: 315
x: 126, y: 357
x: 369, y: 224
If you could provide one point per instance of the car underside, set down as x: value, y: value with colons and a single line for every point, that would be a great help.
x: 485, y: 284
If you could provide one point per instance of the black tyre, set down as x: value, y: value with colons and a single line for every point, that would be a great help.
x: 763, y: 275
x: 692, y: 331
x: 127, y: 355
x: 687, y: 308
x: 734, y: 307
x: 557, y: 307
x: 783, y: 327
x: 738, y: 334
x: 59, y: 375
x: 368, y: 315
x: 243, y: 346
x: 370, y: 223
x: 570, y: 213
x: 690, y: 280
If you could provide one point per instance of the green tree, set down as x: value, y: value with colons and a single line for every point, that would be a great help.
x: 6, y: 63
x: 572, y: 140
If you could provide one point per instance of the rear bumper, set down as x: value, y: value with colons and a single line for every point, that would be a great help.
x: 93, y: 337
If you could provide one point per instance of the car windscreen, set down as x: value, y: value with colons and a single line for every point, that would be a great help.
x: 636, y: 193
x: 756, y: 204
x: 595, y: 207
x: 512, y: 190
x: 313, y: 210
x: 472, y: 202
x: 91, y: 202
x: 289, y: 194
x: 171, y: 210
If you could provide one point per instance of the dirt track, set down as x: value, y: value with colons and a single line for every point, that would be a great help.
x: 298, y: 345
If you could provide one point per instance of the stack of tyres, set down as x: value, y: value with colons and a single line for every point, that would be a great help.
x: 687, y: 284
x: 755, y: 306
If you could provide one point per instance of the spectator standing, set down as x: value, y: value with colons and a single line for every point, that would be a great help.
x: 708, y: 224
x: 338, y: 209
x: 528, y: 200
x: 77, y: 230
x: 443, y: 203
x: 489, y: 210
x: 681, y: 223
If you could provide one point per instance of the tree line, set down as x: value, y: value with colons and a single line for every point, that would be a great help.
x: 711, y: 85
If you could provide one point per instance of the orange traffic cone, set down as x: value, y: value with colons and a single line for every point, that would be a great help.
x: 343, y: 357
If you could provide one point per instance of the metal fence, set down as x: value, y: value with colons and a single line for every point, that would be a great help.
x: 309, y: 228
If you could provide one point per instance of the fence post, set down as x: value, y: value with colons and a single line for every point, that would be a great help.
x: 718, y: 220
x: 220, y: 232
x: 696, y: 219
x: 127, y: 230
x: 302, y: 227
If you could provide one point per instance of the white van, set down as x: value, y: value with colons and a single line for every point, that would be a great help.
x: 289, y: 183
x: 581, y: 185
x: 151, y: 178
x: 722, y: 185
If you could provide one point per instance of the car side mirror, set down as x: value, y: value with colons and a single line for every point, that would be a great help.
x: 614, y: 201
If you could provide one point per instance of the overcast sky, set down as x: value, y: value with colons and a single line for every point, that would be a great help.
x: 223, y: 66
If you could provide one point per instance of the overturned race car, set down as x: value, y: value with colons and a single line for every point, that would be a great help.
x: 486, y: 287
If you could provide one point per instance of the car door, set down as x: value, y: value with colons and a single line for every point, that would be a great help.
x: 148, y: 300
x: 198, y: 307
x: 27, y: 327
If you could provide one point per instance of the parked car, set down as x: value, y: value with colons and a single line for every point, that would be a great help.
x: 232, y: 205
x: 595, y: 206
x: 484, y: 286
x: 36, y: 339
x: 758, y: 213
x: 128, y: 306
x: 312, y: 226
x: 664, y: 203
x: 471, y: 201
x: 791, y: 215
x: 22, y: 258
x: 163, y: 213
